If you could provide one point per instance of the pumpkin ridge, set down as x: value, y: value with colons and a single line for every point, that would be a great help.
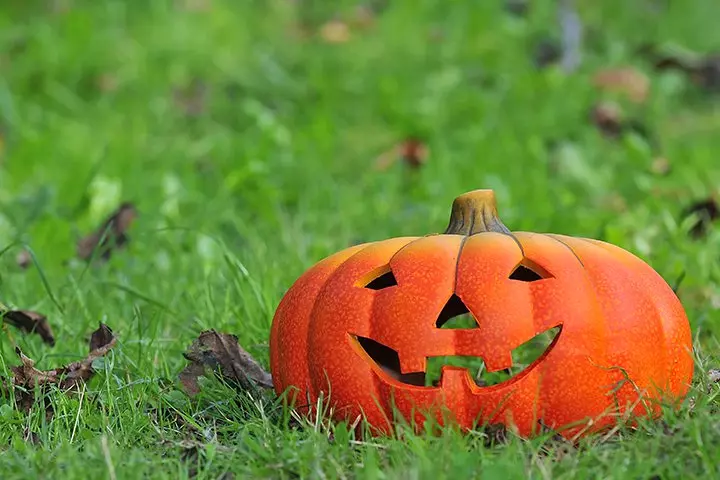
x: 312, y: 390
x: 538, y: 390
x: 457, y: 263
x: 392, y: 257
x: 592, y: 296
x: 455, y: 279
x: 557, y: 238
x: 642, y: 293
x: 613, y: 404
x: 515, y: 239
x: 652, y: 300
x: 283, y: 317
x: 590, y: 279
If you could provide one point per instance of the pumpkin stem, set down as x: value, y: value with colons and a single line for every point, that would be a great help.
x: 475, y: 212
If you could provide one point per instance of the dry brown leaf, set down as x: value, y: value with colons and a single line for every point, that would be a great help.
x: 31, y: 322
x: 112, y: 234
x: 193, y: 98
x: 707, y: 73
x: 363, y: 17
x: 706, y: 211
x: 299, y: 31
x: 335, y: 31
x: 31, y: 437
x: 495, y: 434
x: 608, y: 118
x: 704, y: 71
x: 107, y: 83
x: 518, y: 8
x: 69, y: 378
x: 547, y: 52
x: 614, y: 201
x: 213, y: 350
x: 660, y: 166
x: 628, y: 81
x: 101, y: 337
x: 412, y: 151
x: 23, y: 259
x: 188, y: 378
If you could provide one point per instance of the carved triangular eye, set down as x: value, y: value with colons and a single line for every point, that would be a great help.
x: 383, y: 281
x: 528, y: 271
x: 455, y: 315
x: 380, y: 278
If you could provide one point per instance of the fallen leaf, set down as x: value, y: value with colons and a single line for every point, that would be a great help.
x: 412, y: 151
x: 31, y: 322
x: 495, y: 434
x: 188, y: 378
x: 192, y: 99
x: 112, y: 234
x: 189, y: 452
x: 608, y: 118
x: 660, y: 166
x: 299, y: 31
x: 703, y: 71
x: 614, y: 201
x: 669, y: 430
x: 437, y: 34
x: 27, y: 378
x: 101, y: 337
x: 335, y: 31
x: 213, y: 350
x: 363, y: 17
x: 633, y: 83
x: 31, y: 437
x: 107, y: 83
x: 705, y: 211
x: 519, y: 8
x: 706, y: 73
x: 546, y: 53
x: 23, y: 259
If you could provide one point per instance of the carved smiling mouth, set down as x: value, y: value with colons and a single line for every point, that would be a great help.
x: 525, y: 357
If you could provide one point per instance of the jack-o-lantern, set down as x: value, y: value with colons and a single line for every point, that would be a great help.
x: 365, y: 325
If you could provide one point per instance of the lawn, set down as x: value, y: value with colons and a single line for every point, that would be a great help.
x: 256, y: 138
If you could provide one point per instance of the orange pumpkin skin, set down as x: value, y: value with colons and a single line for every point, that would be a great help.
x: 624, y: 341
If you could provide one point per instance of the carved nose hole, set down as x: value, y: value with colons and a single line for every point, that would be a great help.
x: 455, y: 315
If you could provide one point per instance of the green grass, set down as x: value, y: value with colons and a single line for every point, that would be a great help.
x: 249, y: 153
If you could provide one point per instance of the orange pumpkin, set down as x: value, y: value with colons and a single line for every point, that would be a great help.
x: 362, y: 326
